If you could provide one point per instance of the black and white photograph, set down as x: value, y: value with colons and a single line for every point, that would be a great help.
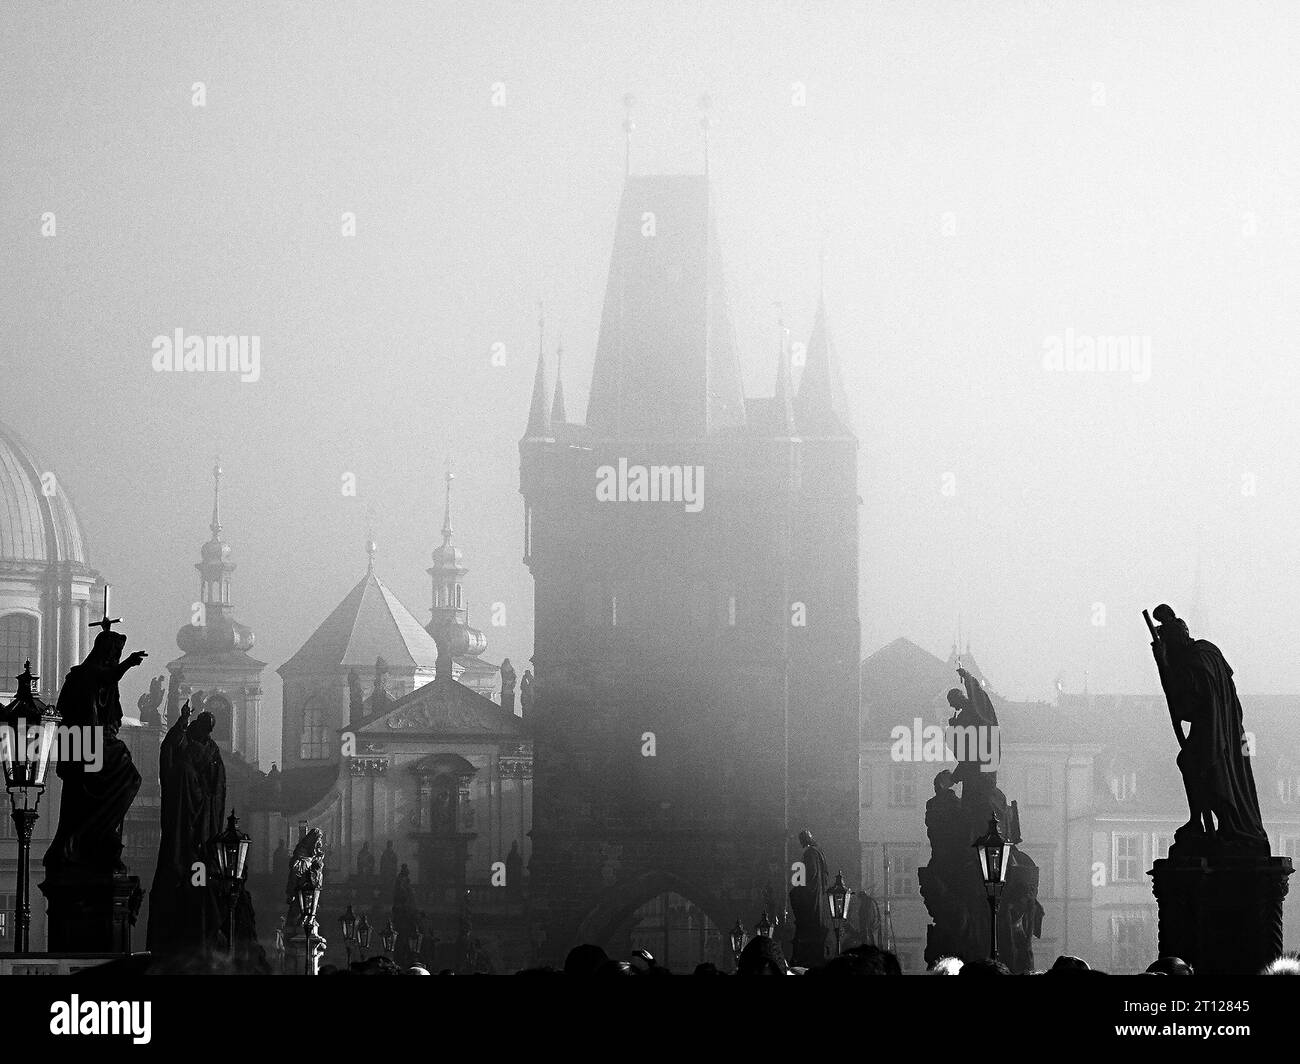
x: 650, y: 488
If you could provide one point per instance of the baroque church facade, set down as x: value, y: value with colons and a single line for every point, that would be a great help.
x: 399, y: 746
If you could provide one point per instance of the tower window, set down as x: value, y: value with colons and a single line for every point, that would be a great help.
x: 17, y: 646
x: 458, y: 598
x: 314, y: 745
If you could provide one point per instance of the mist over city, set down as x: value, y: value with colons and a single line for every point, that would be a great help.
x: 649, y: 487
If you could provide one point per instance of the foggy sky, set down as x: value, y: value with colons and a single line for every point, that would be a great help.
x: 982, y: 177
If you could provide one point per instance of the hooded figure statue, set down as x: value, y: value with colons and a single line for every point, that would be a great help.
x: 1213, y: 758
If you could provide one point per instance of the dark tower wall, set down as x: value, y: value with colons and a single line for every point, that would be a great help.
x: 655, y: 624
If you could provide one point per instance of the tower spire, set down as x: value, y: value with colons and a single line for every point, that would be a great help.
x: 784, y: 392
x: 558, y: 416
x: 539, y: 421
x: 216, y: 500
x: 371, y: 545
x: 446, y: 513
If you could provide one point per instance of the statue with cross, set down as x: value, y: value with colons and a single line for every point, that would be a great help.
x: 99, y: 787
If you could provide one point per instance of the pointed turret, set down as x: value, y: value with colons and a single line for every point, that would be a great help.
x: 783, y: 398
x: 539, y: 421
x: 822, y: 408
x: 557, y: 406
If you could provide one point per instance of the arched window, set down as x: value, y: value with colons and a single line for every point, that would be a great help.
x: 458, y: 603
x: 1288, y: 780
x: 315, y: 744
x: 17, y: 647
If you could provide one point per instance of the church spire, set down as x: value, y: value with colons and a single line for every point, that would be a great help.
x: 216, y: 501
x: 539, y: 422
x: 557, y: 406
x: 446, y: 512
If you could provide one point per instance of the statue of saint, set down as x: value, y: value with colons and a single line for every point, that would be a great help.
x: 306, y: 878
x: 388, y: 863
x: 943, y: 820
x: 526, y: 692
x: 94, y: 803
x: 192, y: 780
x: 147, y: 704
x: 1213, y: 759
x: 365, y: 861
x: 810, y: 905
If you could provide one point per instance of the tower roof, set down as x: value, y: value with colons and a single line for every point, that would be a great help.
x: 558, y: 416
x: 666, y: 361
x: 370, y: 622
x: 37, y: 521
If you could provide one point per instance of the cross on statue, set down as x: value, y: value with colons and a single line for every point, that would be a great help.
x: 106, y: 622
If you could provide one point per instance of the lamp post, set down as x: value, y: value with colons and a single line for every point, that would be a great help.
x: 27, y: 729
x: 840, y: 895
x: 348, y: 924
x: 992, y: 850
x: 364, y: 931
x: 388, y: 938
x: 764, y: 927
x: 280, y: 945
x: 737, y: 936
x: 230, y: 856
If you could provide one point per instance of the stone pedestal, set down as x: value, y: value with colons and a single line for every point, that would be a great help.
x: 91, y: 913
x: 1223, y: 915
x: 302, y: 953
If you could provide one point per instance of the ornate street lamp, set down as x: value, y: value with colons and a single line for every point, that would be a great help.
x: 348, y: 922
x: 229, y: 863
x: 737, y: 936
x: 280, y: 945
x: 992, y: 850
x: 364, y: 931
x: 764, y: 927
x: 415, y: 940
x: 840, y: 895
x: 388, y: 937
x: 27, y: 729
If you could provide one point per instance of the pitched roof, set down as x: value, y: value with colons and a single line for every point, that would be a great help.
x: 822, y: 406
x: 370, y: 622
x: 443, y: 707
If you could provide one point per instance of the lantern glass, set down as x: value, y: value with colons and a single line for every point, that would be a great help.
x: 388, y: 937
x: 992, y: 849
x: 364, y: 931
x: 764, y: 926
x: 737, y: 937
x: 348, y: 922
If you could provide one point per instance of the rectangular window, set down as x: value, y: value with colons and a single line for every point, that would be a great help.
x: 1038, y: 786
x: 902, y: 786
x: 1126, y: 858
x: 1129, y: 948
x: 1289, y: 846
x: 903, y: 863
x: 315, y: 742
x: 1160, y: 843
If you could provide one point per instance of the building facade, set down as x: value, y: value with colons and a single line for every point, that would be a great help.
x: 1099, y: 795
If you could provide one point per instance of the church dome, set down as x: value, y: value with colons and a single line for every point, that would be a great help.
x: 37, y: 521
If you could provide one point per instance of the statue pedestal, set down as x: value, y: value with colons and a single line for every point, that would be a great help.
x: 296, y: 949
x: 91, y: 913
x: 1223, y: 915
